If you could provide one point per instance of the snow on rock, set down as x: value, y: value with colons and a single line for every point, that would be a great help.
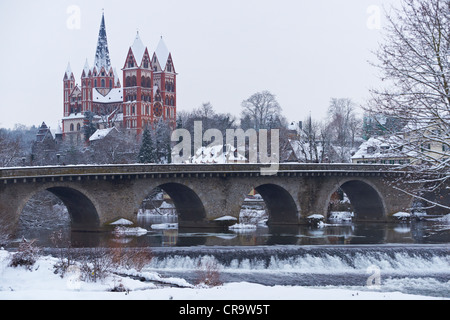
x: 402, y: 216
x: 226, y: 218
x: 121, y: 222
x: 341, y: 215
x: 126, y: 231
x: 242, y: 227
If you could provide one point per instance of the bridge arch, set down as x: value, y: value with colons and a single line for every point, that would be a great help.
x: 280, y: 204
x: 365, y: 198
x: 82, y: 210
x: 188, y: 204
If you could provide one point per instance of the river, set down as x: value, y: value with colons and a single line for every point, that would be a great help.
x: 411, y: 257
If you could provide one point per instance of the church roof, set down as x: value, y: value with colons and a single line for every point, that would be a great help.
x: 102, y: 54
x: 86, y: 68
x: 138, y: 49
x: 162, y: 53
x: 68, y: 71
x: 113, y: 96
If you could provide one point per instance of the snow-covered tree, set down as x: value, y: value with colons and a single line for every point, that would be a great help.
x: 343, y: 125
x: 262, y: 110
x: 147, y: 153
x: 89, y: 126
x: 414, y: 62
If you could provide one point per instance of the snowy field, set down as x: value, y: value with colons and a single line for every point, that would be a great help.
x: 42, y: 283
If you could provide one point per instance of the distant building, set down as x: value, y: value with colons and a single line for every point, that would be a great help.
x: 412, y: 144
x: 101, y: 134
x: 148, y: 93
x: 44, y: 148
x: 218, y: 154
x: 382, y: 150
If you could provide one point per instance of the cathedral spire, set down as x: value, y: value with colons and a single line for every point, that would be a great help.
x: 102, y: 54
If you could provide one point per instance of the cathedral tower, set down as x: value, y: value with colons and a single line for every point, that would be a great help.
x: 165, y: 83
x: 138, y: 89
x: 148, y: 95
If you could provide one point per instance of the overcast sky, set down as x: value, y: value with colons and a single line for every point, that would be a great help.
x: 304, y: 52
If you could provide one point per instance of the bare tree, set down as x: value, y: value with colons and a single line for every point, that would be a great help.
x: 343, y: 124
x: 414, y: 64
x: 262, y: 109
x: 10, y: 148
x: 116, y: 147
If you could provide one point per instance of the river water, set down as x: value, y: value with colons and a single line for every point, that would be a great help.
x: 411, y: 257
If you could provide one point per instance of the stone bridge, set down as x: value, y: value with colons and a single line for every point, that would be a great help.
x: 97, y: 195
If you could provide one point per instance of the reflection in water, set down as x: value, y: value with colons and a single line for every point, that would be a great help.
x: 330, y: 234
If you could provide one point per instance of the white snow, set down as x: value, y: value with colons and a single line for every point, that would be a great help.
x: 316, y: 217
x: 68, y: 71
x: 113, y: 96
x: 125, y: 231
x: 341, y: 215
x: 101, y: 134
x: 165, y: 226
x: 162, y: 54
x: 215, y: 154
x: 122, y: 222
x: 242, y: 226
x: 226, y: 218
x: 138, y: 49
x: 377, y: 148
x: 43, y: 284
x: 402, y: 215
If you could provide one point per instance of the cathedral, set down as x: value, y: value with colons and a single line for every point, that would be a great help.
x: 144, y: 95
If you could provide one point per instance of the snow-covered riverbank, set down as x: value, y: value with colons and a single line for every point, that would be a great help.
x: 42, y: 283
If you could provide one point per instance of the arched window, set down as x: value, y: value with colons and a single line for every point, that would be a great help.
x: 95, y: 83
x: 110, y: 84
x: 103, y: 83
x: 71, y: 127
x: 78, y: 127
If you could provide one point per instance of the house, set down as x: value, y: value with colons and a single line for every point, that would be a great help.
x: 44, y: 149
x: 382, y: 150
x: 101, y: 134
x: 218, y: 154
x: 416, y: 143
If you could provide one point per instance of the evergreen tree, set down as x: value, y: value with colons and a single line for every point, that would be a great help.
x: 89, y: 127
x: 147, y: 153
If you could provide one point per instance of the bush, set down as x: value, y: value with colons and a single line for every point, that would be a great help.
x: 96, y: 265
x: 208, y: 272
x: 26, y: 255
x: 65, y: 253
